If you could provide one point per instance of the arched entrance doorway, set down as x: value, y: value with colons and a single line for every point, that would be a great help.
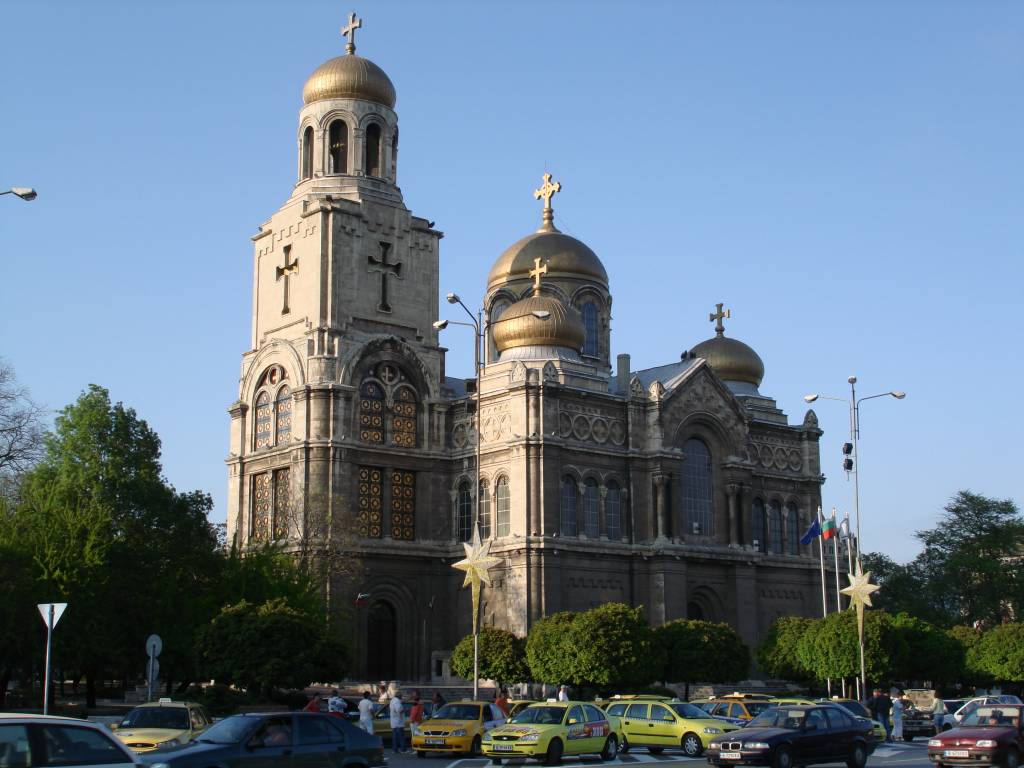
x: 381, y: 639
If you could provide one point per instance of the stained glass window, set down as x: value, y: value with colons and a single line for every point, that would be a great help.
x: 282, y: 502
x: 775, y: 527
x: 371, y: 492
x: 502, y: 499
x: 697, y: 487
x: 613, y: 511
x: 371, y: 413
x: 403, y: 418
x: 792, y: 530
x: 591, y: 518
x: 464, y: 512
x: 485, y: 510
x: 403, y: 504
x: 264, y: 421
x: 569, y: 527
x: 757, y: 526
x: 261, y: 507
x: 283, y: 413
x: 589, y: 313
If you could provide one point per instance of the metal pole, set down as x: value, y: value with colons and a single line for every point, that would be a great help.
x: 476, y: 522
x: 824, y: 598
x: 46, y: 679
x: 854, y: 433
x: 839, y: 597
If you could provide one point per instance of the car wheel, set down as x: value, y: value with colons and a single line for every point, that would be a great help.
x: 624, y: 747
x: 611, y: 748
x: 783, y: 758
x: 691, y: 745
x: 1012, y: 759
x: 420, y: 754
x: 554, y: 753
x: 655, y: 750
x: 474, y: 748
x: 858, y: 757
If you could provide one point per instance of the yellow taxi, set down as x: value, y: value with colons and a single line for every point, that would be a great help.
x: 515, y: 706
x: 459, y: 726
x: 666, y: 723
x: 382, y: 719
x: 735, y: 707
x: 549, y: 730
x: 163, y: 723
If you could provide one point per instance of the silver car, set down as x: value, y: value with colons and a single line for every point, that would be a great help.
x: 31, y: 741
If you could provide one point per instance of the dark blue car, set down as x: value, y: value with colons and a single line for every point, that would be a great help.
x: 275, y: 740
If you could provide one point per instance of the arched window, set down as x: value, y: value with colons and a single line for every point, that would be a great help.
x: 283, y: 415
x: 568, y: 522
x: 337, y: 147
x: 792, y: 530
x: 775, y: 527
x: 502, y: 499
x: 464, y: 512
x: 394, y: 153
x: 589, y: 312
x: 757, y: 538
x: 307, y: 153
x: 372, y: 164
x: 697, y: 487
x: 496, y: 312
x: 591, y: 519
x: 264, y: 421
x: 371, y: 413
x: 485, y: 510
x: 403, y: 418
x: 613, y: 511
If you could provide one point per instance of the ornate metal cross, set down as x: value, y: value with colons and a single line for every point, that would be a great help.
x: 717, y: 316
x: 547, y: 191
x: 284, y: 273
x: 386, y: 270
x: 536, y: 272
x: 349, y: 31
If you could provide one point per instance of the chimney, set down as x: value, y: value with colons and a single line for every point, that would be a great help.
x: 622, y: 372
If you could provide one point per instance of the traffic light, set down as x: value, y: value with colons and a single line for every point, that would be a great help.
x: 848, y: 457
x: 847, y: 449
x: 848, y: 464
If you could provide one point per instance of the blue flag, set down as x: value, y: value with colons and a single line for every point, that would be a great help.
x: 813, y: 532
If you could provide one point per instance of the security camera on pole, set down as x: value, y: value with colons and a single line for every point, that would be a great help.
x: 153, y: 647
x: 51, y: 613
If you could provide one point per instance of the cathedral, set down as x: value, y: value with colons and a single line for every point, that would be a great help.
x: 682, y: 488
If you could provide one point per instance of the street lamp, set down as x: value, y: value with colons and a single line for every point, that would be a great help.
x: 25, y: 193
x: 854, y: 405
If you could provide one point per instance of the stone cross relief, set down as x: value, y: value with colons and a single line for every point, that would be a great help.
x: 386, y: 270
x: 282, y: 274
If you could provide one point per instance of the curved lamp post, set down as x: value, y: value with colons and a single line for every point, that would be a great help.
x: 25, y: 193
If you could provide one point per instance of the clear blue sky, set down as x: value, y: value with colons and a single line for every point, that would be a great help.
x: 847, y: 177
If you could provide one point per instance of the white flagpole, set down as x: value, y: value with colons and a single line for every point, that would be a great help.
x: 835, y: 550
x: 824, y: 592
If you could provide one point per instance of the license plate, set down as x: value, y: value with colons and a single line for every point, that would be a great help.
x: 503, y: 748
x: 731, y: 756
x: 434, y: 742
x: 957, y: 753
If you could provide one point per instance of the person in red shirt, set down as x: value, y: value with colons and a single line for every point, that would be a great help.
x: 501, y: 700
x: 313, y: 705
x: 416, y: 714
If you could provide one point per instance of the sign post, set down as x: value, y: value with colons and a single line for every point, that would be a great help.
x: 51, y: 613
x: 153, y: 647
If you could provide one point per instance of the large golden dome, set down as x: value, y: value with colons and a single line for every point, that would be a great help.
x: 731, y: 359
x: 565, y: 256
x: 349, y: 77
x: 557, y: 326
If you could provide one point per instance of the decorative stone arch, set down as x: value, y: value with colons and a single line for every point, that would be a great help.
x: 546, y: 289
x: 706, y: 601
x: 277, y: 352
x: 576, y: 475
x: 791, y: 501
x: 492, y: 488
x: 308, y: 122
x: 705, y: 427
x: 400, y: 599
x: 387, y: 349
x: 498, y: 297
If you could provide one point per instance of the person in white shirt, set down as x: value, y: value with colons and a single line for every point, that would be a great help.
x: 397, y: 723
x: 563, y: 693
x: 336, y: 704
x: 366, y: 708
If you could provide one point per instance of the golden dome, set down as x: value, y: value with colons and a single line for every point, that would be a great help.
x: 349, y: 77
x: 558, y: 326
x: 564, y: 255
x: 732, y: 360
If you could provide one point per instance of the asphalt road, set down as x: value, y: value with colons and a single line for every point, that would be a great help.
x: 901, y: 755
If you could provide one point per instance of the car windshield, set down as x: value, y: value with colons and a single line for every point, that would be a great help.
x: 993, y: 717
x: 174, y: 718
x: 540, y: 715
x: 779, y: 717
x: 458, y: 712
x: 230, y: 730
x: 688, y: 710
x: 854, y: 708
x: 757, y: 707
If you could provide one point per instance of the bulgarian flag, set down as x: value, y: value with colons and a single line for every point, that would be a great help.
x: 828, y: 527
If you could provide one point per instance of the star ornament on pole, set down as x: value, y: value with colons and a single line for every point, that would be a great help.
x: 476, y: 564
x: 859, y: 592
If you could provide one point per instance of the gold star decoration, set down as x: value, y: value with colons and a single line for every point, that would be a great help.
x: 859, y: 592
x: 476, y: 564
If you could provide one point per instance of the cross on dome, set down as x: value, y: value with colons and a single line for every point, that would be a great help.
x: 349, y: 31
x: 536, y: 272
x: 717, y: 316
x: 548, y: 190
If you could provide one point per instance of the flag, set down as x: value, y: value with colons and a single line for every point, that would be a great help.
x: 828, y: 528
x: 813, y: 532
x: 844, y: 528
x: 362, y: 599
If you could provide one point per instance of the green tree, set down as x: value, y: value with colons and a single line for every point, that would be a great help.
x: 902, y: 589
x: 924, y: 651
x: 614, y: 648
x: 778, y: 656
x: 969, y: 638
x: 269, y: 646
x: 1000, y: 653
x: 702, y: 651
x: 502, y: 656
x: 549, y: 648
x: 829, y: 648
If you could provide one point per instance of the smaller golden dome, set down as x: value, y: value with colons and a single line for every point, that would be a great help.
x: 731, y: 359
x: 557, y: 325
x: 349, y: 77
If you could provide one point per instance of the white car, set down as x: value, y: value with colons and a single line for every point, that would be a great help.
x: 952, y: 721
x: 31, y: 741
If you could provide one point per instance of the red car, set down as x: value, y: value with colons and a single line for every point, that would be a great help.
x: 989, y: 736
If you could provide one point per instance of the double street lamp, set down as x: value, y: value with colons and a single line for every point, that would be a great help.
x: 853, y: 402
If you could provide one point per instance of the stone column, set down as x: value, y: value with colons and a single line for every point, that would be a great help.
x: 732, y: 491
x: 661, y: 503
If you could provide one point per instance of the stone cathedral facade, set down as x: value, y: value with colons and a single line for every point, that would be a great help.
x: 681, y: 488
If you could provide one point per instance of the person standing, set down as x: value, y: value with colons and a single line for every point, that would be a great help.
x: 336, y: 705
x: 501, y: 701
x: 366, y: 713
x: 439, y: 700
x: 313, y: 705
x: 416, y: 714
x: 397, y: 723
x: 938, y: 710
x: 897, y: 718
x: 884, y: 707
x: 563, y: 693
